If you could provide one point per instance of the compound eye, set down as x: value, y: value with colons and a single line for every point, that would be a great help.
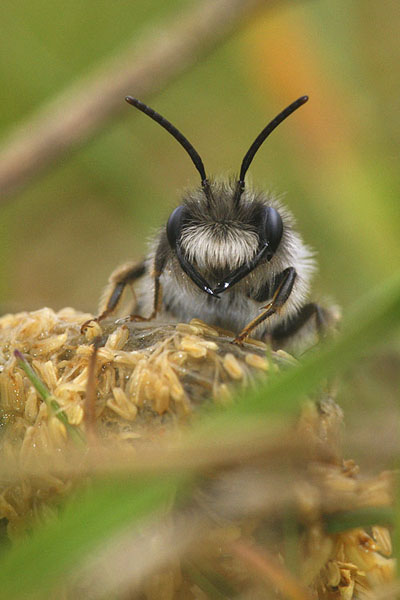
x: 174, y: 225
x: 271, y: 230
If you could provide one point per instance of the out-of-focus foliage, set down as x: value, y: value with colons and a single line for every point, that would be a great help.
x: 336, y: 160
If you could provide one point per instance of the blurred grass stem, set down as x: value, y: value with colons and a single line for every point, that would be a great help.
x: 144, y: 68
x: 52, y: 404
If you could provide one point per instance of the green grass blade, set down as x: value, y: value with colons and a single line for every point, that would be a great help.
x: 54, y: 407
x: 361, y: 517
x: 37, y: 383
x: 53, y: 552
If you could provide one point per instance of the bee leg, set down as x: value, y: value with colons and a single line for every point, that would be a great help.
x: 279, y: 298
x: 157, y: 300
x: 158, y: 267
x: 305, y: 314
x: 118, y: 281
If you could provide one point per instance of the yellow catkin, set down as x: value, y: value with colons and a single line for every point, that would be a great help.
x: 51, y: 344
x: 80, y: 376
x: 209, y: 345
x: 128, y: 358
x: 288, y: 357
x: 14, y: 391
x: 117, y: 339
x: 107, y: 379
x: 141, y: 383
x: 7, y: 511
x: 57, y: 431
x: 382, y: 537
x: 132, y: 384
x: 232, y: 366
x: 37, y: 323
x: 193, y: 347
x: 92, y: 331
x: 256, y: 361
x: 176, y: 388
x: 332, y: 574
x: 68, y: 388
x: 29, y: 444
x: 346, y: 586
x: 105, y: 355
x: 84, y: 351
x: 149, y: 385
x: 186, y: 328
x: 47, y: 372
x: 161, y: 397
x: 74, y: 412
x: 145, y: 372
x: 178, y: 357
x: 258, y: 343
x: 31, y: 406
x: 222, y: 394
x: 177, y: 391
x: 205, y: 329
x: 121, y: 404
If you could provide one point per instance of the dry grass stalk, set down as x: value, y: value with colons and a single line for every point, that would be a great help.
x: 145, y: 67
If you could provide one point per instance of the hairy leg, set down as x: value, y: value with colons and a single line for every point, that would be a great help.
x: 280, y: 296
x: 119, y: 279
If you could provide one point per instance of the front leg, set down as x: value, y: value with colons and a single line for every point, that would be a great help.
x: 280, y: 296
x: 118, y: 281
x: 160, y: 260
x: 157, y: 299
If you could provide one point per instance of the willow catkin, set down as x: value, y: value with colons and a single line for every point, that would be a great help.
x: 154, y: 376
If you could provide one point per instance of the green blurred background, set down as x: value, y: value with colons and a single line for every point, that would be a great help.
x: 336, y: 159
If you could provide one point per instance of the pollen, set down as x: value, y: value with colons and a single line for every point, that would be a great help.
x: 232, y: 367
x: 193, y: 346
x: 122, y: 405
x: 93, y: 330
x: 256, y: 361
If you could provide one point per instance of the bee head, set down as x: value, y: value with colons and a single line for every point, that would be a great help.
x: 220, y: 228
x: 221, y: 235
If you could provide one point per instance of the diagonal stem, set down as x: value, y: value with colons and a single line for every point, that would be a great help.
x: 143, y: 68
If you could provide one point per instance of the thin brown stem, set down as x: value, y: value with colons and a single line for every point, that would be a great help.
x: 142, y: 69
x: 90, y: 401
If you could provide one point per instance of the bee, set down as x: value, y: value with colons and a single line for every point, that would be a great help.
x: 228, y: 255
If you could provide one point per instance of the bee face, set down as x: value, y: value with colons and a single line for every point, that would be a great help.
x: 219, y: 247
x: 221, y: 239
x: 214, y: 237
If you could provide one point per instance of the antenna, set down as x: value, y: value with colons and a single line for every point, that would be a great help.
x: 260, y: 139
x: 194, y: 155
